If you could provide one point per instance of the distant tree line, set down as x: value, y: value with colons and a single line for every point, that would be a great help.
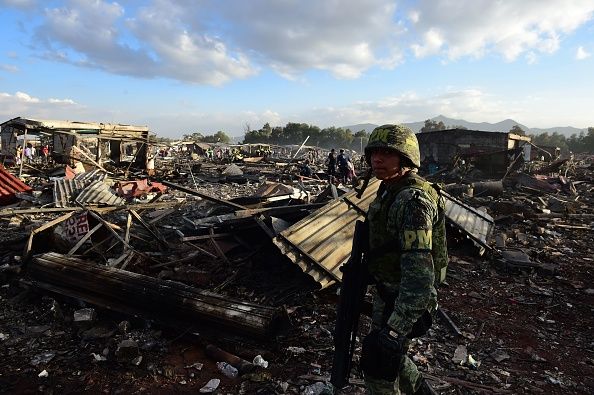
x: 296, y: 133
x: 577, y: 143
x: 431, y: 126
x: 218, y: 137
x: 333, y: 137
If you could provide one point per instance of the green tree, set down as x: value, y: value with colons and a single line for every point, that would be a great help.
x: 218, y: 137
x: 516, y: 129
x: 588, y: 141
x: 550, y: 140
x: 196, y: 136
x: 258, y: 136
x: 431, y: 126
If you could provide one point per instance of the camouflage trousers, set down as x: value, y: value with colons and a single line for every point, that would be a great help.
x: 409, y: 377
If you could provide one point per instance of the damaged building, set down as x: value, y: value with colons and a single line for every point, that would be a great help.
x: 490, y: 152
x: 70, y: 142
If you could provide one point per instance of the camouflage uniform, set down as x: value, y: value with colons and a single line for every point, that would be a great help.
x: 407, y: 254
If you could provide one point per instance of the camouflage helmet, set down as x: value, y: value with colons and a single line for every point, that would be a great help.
x: 398, y: 138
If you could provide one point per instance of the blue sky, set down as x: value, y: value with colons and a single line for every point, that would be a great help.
x: 207, y: 65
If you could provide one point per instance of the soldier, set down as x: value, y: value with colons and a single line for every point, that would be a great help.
x: 331, y: 162
x: 407, y: 260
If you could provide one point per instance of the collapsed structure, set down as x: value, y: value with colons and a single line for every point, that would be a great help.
x: 76, y: 141
x: 248, y: 255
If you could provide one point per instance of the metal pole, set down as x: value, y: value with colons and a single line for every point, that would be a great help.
x: 23, y: 151
x: 302, y: 144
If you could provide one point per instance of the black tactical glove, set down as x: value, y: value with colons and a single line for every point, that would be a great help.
x: 391, y: 340
x: 382, y: 353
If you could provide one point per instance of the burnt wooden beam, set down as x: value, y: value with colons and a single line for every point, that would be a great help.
x: 158, y: 237
x: 84, y: 239
x: 163, y: 300
x: 43, y: 227
x: 203, y: 195
x: 9, y: 212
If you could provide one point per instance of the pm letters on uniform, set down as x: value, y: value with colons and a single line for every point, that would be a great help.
x: 422, y: 238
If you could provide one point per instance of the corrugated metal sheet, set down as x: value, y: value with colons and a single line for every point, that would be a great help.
x: 9, y: 185
x: 64, y: 190
x: 321, y: 242
x: 477, y: 224
x: 99, y: 192
x: 93, y: 175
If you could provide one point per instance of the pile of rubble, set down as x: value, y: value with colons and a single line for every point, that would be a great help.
x: 222, y: 277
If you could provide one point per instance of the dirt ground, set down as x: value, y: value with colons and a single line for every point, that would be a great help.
x: 522, y: 328
x: 538, y: 326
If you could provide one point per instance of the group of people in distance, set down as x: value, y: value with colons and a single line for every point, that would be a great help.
x: 30, y: 153
x: 340, y: 167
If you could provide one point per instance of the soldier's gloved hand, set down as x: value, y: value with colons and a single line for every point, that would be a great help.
x: 391, y: 340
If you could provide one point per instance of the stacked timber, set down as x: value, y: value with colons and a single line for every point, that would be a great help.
x: 162, y: 300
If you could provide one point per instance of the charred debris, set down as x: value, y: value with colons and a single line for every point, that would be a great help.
x: 133, y: 266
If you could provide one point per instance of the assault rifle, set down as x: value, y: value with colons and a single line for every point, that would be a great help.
x: 352, y: 292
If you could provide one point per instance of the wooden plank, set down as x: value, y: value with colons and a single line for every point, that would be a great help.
x: 264, y: 227
x: 43, y: 227
x: 91, y: 159
x: 128, y: 226
x: 84, y: 239
x: 216, y: 246
x: 209, y: 236
x: 145, y: 226
x: 202, y: 250
x: 203, y: 195
x: 168, y: 301
x: 105, y: 209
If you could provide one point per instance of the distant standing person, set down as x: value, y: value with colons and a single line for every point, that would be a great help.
x: 331, y: 165
x: 343, y: 166
x: 45, y: 153
x: 19, y: 155
x: 150, y: 161
x: 305, y: 170
x: 28, y: 153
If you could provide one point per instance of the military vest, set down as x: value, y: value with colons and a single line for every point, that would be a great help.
x: 384, y: 256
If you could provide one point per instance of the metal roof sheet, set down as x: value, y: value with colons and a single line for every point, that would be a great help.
x: 65, y: 189
x: 72, y: 125
x: 476, y: 223
x: 9, y: 185
x: 98, y: 192
x: 322, y: 242
x: 93, y: 175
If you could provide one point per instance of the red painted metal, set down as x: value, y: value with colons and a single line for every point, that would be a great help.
x: 9, y: 185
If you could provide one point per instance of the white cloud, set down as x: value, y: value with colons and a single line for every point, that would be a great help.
x: 432, y: 44
x: 20, y: 4
x: 23, y: 97
x: 23, y: 104
x: 213, y: 42
x: 531, y: 57
x: 507, y: 27
x: 582, y: 54
x: 11, y: 68
x: 471, y: 104
x: 343, y: 37
x: 60, y: 101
